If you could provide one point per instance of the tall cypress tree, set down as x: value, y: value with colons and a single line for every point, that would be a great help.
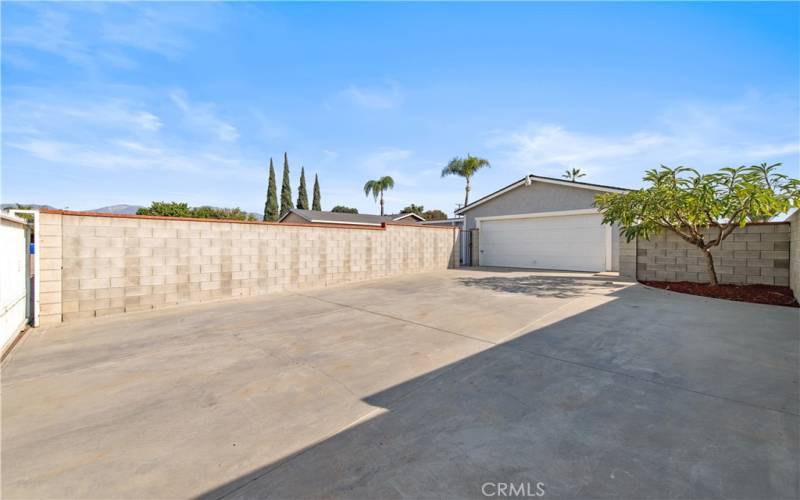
x: 286, y: 188
x: 302, y: 194
x: 271, y: 206
x: 317, y: 203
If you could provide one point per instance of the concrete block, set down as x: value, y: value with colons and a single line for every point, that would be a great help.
x: 760, y: 263
x: 781, y: 245
x: 733, y: 279
x: 775, y: 254
x: 109, y: 311
x: 777, y: 236
x: 683, y: 276
x: 52, y: 308
x: 152, y: 280
x: 77, y: 315
x: 94, y: 283
x: 109, y: 293
x: 760, y: 280
x: 50, y: 264
x: 93, y: 304
x: 760, y: 245
x: 760, y: 228
x: 739, y: 235
x: 49, y: 319
x: 110, y: 231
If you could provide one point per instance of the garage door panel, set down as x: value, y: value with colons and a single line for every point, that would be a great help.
x: 569, y: 242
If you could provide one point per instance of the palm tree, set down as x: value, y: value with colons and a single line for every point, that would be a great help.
x: 573, y: 174
x: 466, y: 168
x: 377, y: 187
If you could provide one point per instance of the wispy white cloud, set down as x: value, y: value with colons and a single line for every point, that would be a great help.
x: 42, y: 111
x: 703, y: 135
x: 97, y: 34
x: 124, y: 154
x: 115, y: 133
x: 374, y: 97
x: 202, y: 115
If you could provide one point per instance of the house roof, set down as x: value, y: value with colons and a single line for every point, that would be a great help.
x: 319, y: 216
x: 540, y: 178
x: 444, y: 222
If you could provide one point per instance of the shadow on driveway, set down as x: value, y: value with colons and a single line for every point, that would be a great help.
x: 649, y: 395
x: 543, y: 286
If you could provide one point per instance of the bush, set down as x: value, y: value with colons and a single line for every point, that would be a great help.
x: 344, y: 210
x: 175, y: 209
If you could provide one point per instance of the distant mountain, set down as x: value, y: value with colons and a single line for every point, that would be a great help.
x: 118, y: 209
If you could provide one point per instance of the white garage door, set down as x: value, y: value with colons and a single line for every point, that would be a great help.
x: 566, y: 242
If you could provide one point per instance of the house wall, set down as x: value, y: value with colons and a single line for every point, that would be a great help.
x: 755, y: 254
x: 794, y: 254
x: 536, y: 198
x: 100, y: 265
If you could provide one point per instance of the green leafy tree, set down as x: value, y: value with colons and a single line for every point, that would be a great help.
x: 166, y: 209
x: 286, y: 188
x: 271, y: 206
x: 176, y: 209
x: 341, y: 209
x: 573, y: 174
x: 434, y: 215
x: 302, y: 194
x: 27, y: 217
x: 703, y: 209
x: 316, y: 204
x: 207, y: 212
x: 413, y: 209
x: 377, y: 187
x: 466, y: 168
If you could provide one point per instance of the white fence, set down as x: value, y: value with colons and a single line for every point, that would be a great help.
x: 14, y: 277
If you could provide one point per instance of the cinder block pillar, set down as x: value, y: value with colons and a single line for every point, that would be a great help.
x: 627, y: 258
x: 49, y: 246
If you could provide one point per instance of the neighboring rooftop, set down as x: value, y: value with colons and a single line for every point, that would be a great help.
x: 322, y: 217
x: 444, y: 222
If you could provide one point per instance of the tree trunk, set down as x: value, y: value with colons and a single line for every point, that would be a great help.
x: 712, y: 273
x: 381, y: 202
x: 466, y: 194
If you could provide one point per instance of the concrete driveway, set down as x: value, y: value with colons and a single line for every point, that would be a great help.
x: 425, y: 386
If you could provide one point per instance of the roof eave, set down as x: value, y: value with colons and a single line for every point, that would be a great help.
x: 529, y: 179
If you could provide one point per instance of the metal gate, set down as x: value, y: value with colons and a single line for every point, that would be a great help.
x: 465, y: 251
x: 14, y: 278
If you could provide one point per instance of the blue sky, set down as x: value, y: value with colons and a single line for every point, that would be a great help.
x: 129, y: 103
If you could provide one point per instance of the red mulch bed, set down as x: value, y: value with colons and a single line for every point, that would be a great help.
x: 758, y: 294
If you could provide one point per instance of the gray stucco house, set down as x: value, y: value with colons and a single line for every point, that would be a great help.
x: 542, y: 223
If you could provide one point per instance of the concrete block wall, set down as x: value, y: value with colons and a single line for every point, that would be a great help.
x: 755, y: 254
x: 102, y: 265
x: 794, y: 254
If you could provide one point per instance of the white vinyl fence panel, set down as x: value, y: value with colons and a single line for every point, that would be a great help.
x: 13, y: 277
